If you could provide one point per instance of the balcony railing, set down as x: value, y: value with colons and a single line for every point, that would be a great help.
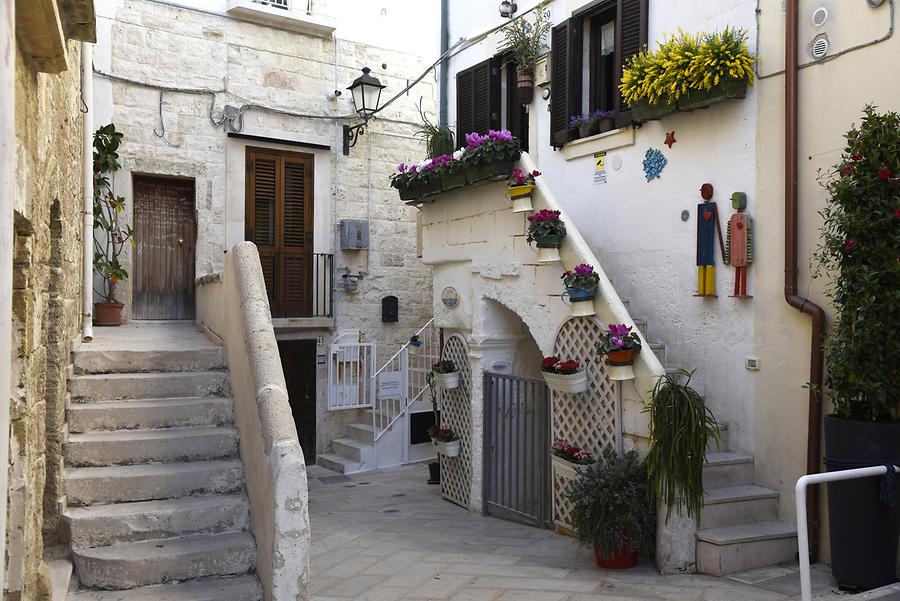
x: 284, y: 4
x: 323, y: 286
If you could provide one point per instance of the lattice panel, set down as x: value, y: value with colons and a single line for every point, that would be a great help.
x: 456, y: 413
x: 589, y: 420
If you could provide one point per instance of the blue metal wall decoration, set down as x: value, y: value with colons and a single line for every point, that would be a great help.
x: 654, y: 162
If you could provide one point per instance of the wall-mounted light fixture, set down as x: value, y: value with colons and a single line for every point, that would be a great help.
x: 508, y: 9
x: 366, y: 93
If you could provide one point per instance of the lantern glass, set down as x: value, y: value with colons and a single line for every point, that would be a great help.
x: 366, y: 93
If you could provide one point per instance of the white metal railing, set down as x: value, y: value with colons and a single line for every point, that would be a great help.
x: 351, y: 364
x: 802, y: 530
x: 403, y: 379
x: 283, y: 4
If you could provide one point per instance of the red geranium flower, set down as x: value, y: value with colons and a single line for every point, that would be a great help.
x: 847, y: 169
x: 857, y: 157
x: 849, y: 245
x: 884, y: 173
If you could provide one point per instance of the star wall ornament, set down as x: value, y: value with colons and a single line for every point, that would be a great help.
x: 670, y: 138
x: 654, y: 163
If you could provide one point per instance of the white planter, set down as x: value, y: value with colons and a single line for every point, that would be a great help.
x: 583, y: 308
x: 447, y: 381
x: 522, y: 205
x: 567, y: 469
x: 448, y: 449
x: 620, y: 372
x: 548, y: 255
x: 572, y: 384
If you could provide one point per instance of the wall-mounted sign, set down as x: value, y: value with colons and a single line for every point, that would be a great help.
x: 389, y: 385
x: 450, y: 297
x: 599, y: 168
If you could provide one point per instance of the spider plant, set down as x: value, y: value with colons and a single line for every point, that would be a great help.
x: 681, y: 426
x: 438, y: 139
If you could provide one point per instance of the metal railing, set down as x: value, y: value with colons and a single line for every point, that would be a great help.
x: 283, y: 4
x: 350, y: 367
x: 322, y: 304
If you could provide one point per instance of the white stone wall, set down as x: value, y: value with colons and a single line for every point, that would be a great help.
x: 144, y: 46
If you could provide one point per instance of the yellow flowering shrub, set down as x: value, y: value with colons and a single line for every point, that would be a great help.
x: 686, y: 62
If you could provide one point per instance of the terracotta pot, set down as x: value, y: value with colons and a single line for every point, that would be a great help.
x: 622, y: 357
x: 622, y: 560
x: 525, y: 85
x: 108, y: 314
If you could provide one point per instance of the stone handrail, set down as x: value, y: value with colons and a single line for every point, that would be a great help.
x: 607, y: 304
x: 235, y: 309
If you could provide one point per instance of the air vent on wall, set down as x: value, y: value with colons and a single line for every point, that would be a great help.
x: 819, y: 47
x: 819, y: 16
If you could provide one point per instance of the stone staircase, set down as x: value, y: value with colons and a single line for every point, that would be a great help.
x: 355, y: 453
x: 154, y: 484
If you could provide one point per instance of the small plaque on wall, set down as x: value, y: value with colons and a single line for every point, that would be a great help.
x: 450, y: 297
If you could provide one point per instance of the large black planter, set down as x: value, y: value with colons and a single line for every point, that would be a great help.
x: 864, y: 531
x: 434, y: 472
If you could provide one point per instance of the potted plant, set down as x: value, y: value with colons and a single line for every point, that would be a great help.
x: 445, y: 441
x: 445, y: 374
x: 601, y: 121
x: 613, y: 510
x: 568, y: 460
x: 108, y: 207
x: 490, y: 156
x: 858, y: 253
x: 564, y: 375
x: 579, y: 126
x: 519, y: 188
x: 524, y: 42
x: 681, y: 428
x: 581, y: 287
x: 620, y: 345
x: 547, y: 230
x: 415, y: 341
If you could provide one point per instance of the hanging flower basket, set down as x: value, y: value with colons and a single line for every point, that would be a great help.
x: 448, y: 449
x: 445, y: 374
x: 520, y: 196
x: 620, y: 344
x: 445, y: 441
x: 567, y: 469
x: 568, y: 460
x: 548, y: 249
x: 697, y: 99
x: 564, y: 375
x: 525, y: 85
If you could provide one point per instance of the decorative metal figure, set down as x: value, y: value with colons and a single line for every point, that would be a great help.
x: 739, y: 243
x: 707, y: 230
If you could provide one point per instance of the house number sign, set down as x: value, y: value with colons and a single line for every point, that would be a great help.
x: 450, y: 297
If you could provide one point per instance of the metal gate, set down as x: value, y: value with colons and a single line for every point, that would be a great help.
x: 517, y: 449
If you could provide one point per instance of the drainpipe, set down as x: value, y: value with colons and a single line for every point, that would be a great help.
x: 445, y: 45
x: 816, y: 359
x: 87, y: 236
x: 7, y: 158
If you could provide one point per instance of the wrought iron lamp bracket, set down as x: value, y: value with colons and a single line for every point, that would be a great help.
x: 352, y: 134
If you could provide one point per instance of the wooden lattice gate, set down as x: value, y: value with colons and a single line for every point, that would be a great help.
x: 591, y: 420
x: 456, y: 414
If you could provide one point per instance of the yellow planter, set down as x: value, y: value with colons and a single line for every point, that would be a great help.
x: 517, y: 191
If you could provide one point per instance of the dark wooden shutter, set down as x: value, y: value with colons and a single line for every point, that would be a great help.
x: 565, y: 71
x: 261, y: 216
x: 631, y: 37
x: 478, y: 99
x: 297, y: 252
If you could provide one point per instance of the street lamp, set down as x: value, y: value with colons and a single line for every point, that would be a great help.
x: 366, y: 93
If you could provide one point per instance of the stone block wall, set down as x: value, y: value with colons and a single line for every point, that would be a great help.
x: 46, y: 310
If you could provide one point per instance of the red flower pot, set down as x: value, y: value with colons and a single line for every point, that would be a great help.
x: 621, y: 357
x: 622, y: 560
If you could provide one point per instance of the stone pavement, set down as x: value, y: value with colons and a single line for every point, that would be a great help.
x: 388, y: 536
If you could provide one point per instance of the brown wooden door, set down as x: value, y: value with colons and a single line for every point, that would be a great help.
x: 279, y: 220
x: 298, y: 360
x: 165, y: 234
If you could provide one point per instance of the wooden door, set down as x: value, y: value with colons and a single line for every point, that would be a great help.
x: 279, y: 220
x: 165, y: 234
x: 298, y: 360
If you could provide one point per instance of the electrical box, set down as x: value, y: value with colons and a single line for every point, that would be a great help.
x: 390, y: 309
x: 354, y: 234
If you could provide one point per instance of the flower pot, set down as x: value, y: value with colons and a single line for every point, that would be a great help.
x: 864, y: 531
x: 447, y: 449
x: 451, y: 181
x: 584, y: 130
x: 108, y: 314
x: 433, y: 186
x: 568, y: 383
x: 605, y: 124
x: 525, y: 85
x: 434, y: 472
x: 622, y: 560
x: 548, y: 249
x: 582, y: 302
x: 409, y: 193
x: 566, y: 468
x: 619, y: 364
x: 520, y: 197
x: 495, y: 170
x: 644, y: 111
x: 729, y: 88
x: 447, y: 381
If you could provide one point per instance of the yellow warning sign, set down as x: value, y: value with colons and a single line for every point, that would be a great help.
x: 600, y: 161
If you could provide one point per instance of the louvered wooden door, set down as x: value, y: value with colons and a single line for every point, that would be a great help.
x: 165, y: 232
x: 279, y: 220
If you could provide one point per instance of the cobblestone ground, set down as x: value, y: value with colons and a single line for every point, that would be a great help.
x: 388, y: 536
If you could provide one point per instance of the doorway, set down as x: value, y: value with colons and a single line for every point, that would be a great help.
x: 165, y: 235
x: 298, y: 361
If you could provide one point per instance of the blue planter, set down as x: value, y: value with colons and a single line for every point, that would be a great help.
x: 580, y: 295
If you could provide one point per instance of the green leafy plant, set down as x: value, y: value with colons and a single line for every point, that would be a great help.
x: 545, y: 223
x: 445, y: 366
x: 107, y: 210
x: 859, y: 250
x: 438, y: 139
x: 583, y: 278
x: 524, y: 40
x: 681, y: 427
x: 612, y: 505
x: 618, y: 337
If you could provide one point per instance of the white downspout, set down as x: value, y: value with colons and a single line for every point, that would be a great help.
x: 7, y: 159
x: 87, y: 93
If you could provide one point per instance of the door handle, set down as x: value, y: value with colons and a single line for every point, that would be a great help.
x: 181, y: 242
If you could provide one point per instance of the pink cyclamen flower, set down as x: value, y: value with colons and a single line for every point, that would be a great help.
x: 619, y: 329
x: 504, y: 135
x: 884, y: 173
x: 474, y: 140
x: 401, y: 167
x: 616, y: 340
x: 584, y: 269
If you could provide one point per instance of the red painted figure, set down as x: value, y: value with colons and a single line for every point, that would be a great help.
x: 739, y: 243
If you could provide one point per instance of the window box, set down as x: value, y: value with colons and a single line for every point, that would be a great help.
x: 698, y: 99
x: 451, y: 181
x: 430, y: 188
x: 493, y: 171
x: 644, y: 111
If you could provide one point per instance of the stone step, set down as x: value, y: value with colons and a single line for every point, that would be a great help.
x: 359, y: 452
x: 149, y: 385
x: 361, y: 432
x: 101, y: 361
x: 60, y: 578
x: 734, y: 505
x: 101, y: 525
x: 722, y: 447
x: 239, y: 588
x: 151, y: 413
x: 338, y: 463
x: 159, y: 561
x: 733, y: 549
x: 126, y: 483
x: 727, y: 469
x: 129, y: 447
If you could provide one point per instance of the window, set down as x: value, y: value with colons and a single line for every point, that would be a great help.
x: 487, y: 98
x: 587, y: 52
